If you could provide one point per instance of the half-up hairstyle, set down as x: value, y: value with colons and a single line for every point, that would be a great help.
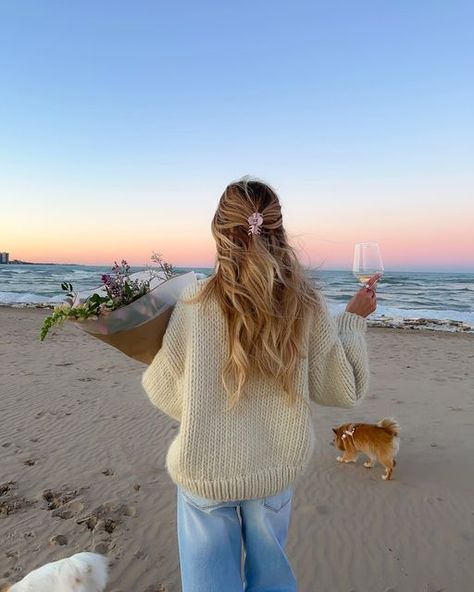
x: 261, y: 287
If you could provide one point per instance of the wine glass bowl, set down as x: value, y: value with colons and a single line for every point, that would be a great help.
x: 367, y: 261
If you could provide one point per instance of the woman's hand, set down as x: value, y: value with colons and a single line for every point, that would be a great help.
x: 364, y: 301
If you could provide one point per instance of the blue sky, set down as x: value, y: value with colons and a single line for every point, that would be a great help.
x: 355, y: 109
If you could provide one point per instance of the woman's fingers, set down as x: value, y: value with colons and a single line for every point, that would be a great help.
x: 364, y: 301
x: 369, y: 291
x: 372, y: 281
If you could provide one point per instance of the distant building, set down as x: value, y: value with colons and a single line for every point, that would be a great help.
x: 4, y: 257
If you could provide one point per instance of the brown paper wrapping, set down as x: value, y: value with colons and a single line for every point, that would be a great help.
x: 141, y: 343
x: 144, y: 321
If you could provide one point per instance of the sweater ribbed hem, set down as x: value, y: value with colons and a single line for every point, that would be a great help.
x: 251, y: 486
x: 349, y: 321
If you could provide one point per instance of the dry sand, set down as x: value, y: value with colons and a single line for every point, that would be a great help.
x: 84, y: 450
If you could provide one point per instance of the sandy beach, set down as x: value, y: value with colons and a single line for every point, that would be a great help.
x: 82, y: 468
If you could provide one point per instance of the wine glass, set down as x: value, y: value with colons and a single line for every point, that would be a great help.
x: 367, y: 261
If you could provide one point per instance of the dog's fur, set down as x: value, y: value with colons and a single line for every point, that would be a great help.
x: 378, y: 441
x: 83, y: 572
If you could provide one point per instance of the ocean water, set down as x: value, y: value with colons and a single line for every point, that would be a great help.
x: 400, y: 295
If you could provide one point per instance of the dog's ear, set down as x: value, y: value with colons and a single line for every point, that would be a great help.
x: 333, y: 429
x: 5, y: 587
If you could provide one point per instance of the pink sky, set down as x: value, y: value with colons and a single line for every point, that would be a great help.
x: 405, y: 245
x: 418, y: 224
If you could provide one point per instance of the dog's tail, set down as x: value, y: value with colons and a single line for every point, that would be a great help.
x: 390, y: 424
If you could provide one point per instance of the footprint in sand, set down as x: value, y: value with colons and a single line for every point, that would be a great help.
x: 29, y: 462
x: 7, y: 487
x: 103, y: 521
x: 59, y: 498
x: 58, y: 539
x: 12, y: 555
x: 10, y: 501
x: 68, y: 510
x: 107, y: 525
x: 101, y: 547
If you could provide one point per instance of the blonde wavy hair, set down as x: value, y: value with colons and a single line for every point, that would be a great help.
x: 261, y: 287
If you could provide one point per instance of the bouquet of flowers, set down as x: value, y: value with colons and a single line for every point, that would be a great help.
x: 130, y: 311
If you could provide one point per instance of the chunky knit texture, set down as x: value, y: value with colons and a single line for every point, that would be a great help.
x: 263, y: 444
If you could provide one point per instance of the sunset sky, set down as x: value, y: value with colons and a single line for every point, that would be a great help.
x: 122, y: 122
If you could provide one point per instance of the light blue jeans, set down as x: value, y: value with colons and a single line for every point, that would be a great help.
x: 234, y: 546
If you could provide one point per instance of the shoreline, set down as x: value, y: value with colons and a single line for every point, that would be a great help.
x: 420, y: 324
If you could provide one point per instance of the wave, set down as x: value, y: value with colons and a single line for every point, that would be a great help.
x: 28, y: 298
x: 400, y: 295
x: 81, y: 275
x: 413, y: 313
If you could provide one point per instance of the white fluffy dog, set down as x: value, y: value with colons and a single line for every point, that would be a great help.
x: 83, y: 572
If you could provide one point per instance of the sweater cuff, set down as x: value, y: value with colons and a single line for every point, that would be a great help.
x: 349, y: 321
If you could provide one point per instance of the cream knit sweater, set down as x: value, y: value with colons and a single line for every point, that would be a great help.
x: 262, y: 445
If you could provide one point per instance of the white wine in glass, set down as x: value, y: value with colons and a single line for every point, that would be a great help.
x: 367, y: 261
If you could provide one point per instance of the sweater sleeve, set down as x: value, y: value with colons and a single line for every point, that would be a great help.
x: 163, y: 377
x: 337, y: 359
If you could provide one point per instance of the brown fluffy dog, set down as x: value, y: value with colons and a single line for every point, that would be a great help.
x: 378, y: 441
